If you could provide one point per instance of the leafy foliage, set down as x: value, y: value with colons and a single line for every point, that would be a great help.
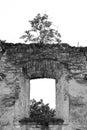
x: 41, y: 113
x: 41, y: 31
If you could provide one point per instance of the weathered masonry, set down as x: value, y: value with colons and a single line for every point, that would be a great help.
x: 19, y: 63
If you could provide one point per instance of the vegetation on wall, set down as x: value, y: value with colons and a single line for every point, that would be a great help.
x: 20, y: 47
x: 41, y: 113
x: 41, y: 31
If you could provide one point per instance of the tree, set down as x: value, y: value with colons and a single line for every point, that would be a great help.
x: 41, y: 31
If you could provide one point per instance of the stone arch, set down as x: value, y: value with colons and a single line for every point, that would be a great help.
x: 45, y: 69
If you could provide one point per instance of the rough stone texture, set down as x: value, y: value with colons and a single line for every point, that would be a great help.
x: 67, y: 65
x: 62, y: 99
x: 39, y: 127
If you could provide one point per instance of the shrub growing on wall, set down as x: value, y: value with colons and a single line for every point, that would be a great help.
x: 41, y: 31
x: 42, y: 114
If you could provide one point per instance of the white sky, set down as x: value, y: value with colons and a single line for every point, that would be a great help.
x: 43, y: 89
x: 69, y: 16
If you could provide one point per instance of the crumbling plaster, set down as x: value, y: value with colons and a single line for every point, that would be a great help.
x: 67, y: 65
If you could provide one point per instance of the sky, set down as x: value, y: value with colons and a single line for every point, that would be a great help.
x: 43, y: 89
x: 69, y: 17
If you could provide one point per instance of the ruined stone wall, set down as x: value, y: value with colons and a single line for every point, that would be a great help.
x: 19, y: 62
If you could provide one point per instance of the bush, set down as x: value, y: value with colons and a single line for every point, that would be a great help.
x: 41, y: 114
